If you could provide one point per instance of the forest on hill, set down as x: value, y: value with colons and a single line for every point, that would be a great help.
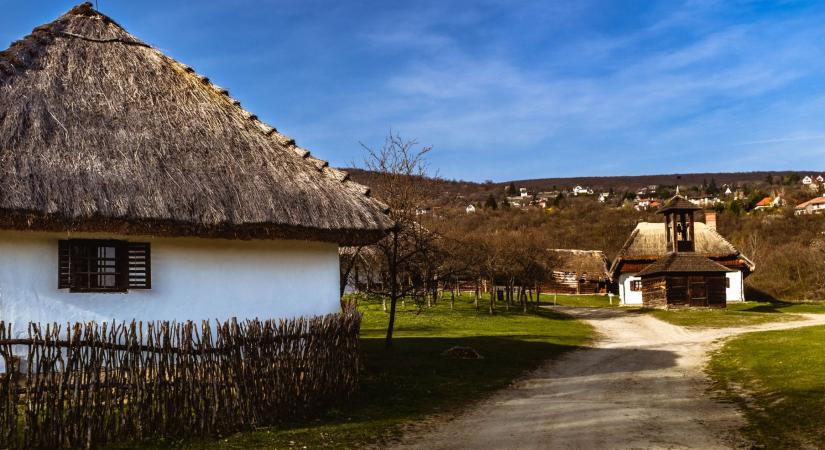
x: 445, y: 192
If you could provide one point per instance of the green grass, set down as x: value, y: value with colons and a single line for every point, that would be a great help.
x: 414, y: 381
x: 737, y: 314
x: 584, y: 301
x: 778, y: 379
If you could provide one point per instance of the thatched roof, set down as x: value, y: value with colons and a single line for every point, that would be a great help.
x: 589, y: 263
x: 101, y: 132
x: 682, y: 263
x: 648, y: 243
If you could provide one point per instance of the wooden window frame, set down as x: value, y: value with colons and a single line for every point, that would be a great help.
x: 635, y: 285
x: 131, y: 263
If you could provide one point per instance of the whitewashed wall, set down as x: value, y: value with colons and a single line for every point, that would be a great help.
x: 734, y: 293
x: 191, y: 279
x: 629, y: 297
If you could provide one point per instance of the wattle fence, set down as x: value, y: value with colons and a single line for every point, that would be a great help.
x: 84, y: 385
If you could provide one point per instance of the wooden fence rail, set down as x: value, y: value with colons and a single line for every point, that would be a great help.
x: 83, y: 385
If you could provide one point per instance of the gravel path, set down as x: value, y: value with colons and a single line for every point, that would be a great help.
x: 640, y: 386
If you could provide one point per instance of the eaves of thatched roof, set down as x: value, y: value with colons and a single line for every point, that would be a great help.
x: 648, y: 243
x: 102, y: 132
x: 591, y: 264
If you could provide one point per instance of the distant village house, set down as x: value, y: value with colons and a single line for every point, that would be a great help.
x: 813, y: 206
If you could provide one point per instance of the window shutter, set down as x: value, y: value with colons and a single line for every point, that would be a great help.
x: 139, y: 265
x: 64, y: 263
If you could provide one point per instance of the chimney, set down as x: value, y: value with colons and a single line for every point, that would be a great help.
x: 710, y: 219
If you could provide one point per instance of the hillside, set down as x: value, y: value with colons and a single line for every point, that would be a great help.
x: 454, y: 192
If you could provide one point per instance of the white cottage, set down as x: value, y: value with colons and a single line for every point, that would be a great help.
x: 133, y: 188
x: 648, y: 243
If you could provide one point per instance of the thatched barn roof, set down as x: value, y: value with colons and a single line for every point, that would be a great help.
x: 591, y: 264
x: 102, y: 132
x: 648, y: 243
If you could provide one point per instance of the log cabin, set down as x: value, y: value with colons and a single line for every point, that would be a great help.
x: 577, y: 272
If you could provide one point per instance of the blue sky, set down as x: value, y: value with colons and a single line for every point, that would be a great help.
x: 505, y: 89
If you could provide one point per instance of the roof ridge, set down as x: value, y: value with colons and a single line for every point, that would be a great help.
x: 268, y: 130
x: 22, y: 53
x: 620, y: 255
x: 575, y: 250
x: 15, y: 59
x: 727, y: 242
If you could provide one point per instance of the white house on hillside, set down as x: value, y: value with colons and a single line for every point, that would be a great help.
x: 133, y: 188
x: 815, y: 205
x: 807, y: 180
x: 470, y: 209
x: 578, y: 190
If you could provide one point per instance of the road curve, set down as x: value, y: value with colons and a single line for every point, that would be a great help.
x: 640, y: 385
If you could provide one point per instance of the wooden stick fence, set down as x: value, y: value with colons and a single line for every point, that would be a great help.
x: 86, y: 384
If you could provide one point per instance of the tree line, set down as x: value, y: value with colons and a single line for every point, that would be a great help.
x: 432, y: 254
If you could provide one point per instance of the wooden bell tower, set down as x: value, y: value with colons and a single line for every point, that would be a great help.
x: 682, y: 278
x: 679, y: 225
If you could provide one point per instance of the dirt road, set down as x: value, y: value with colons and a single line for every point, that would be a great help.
x: 640, y: 386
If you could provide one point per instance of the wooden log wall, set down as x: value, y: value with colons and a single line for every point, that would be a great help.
x: 655, y: 292
x: 83, y: 385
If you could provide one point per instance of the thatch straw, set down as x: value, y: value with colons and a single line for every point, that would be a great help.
x: 590, y: 264
x: 101, y: 132
x: 648, y: 242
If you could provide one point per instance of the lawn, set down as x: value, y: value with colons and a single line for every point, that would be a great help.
x: 778, y: 379
x: 584, y: 301
x: 414, y: 383
x: 737, y: 314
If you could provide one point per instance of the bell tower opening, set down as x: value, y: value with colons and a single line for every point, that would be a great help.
x: 679, y: 225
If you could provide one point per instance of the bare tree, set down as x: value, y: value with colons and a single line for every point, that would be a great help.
x: 400, y: 166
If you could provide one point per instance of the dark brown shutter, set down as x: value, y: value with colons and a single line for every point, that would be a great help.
x: 139, y: 265
x: 64, y: 265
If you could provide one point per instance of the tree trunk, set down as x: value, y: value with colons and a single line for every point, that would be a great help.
x: 394, y: 288
x: 452, y: 297
x: 492, y: 294
x: 345, y: 276
x: 476, y: 297
x: 524, y: 299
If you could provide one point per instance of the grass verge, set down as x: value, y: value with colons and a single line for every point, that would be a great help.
x: 778, y: 379
x: 414, y: 381
x: 737, y: 314
x: 582, y: 301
